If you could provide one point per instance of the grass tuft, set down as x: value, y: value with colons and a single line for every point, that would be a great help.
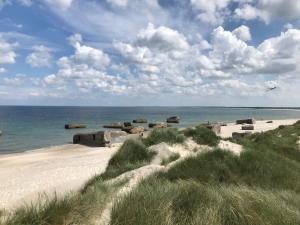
x: 202, y: 135
x: 167, y: 135
x: 170, y: 159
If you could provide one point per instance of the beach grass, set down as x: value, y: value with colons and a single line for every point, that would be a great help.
x: 184, y: 202
x: 216, y: 187
x: 132, y: 155
x: 73, y: 208
x: 261, y: 186
x: 170, y: 159
x: 202, y: 135
x: 167, y: 135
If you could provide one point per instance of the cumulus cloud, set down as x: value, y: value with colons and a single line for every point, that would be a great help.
x: 7, y: 53
x: 14, y: 80
x: 2, y: 70
x: 40, y: 57
x: 212, y: 11
x: 268, y: 10
x: 86, y: 69
x: 243, y: 33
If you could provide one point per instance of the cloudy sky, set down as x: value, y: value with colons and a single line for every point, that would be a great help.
x: 150, y: 52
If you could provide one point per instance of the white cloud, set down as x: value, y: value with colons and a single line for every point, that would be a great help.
x: 2, y: 70
x: 243, y: 33
x: 59, y: 4
x: 15, y: 80
x: 212, y: 11
x: 86, y: 69
x: 120, y: 3
x: 7, y: 54
x: 40, y: 57
x: 88, y: 55
x: 268, y: 10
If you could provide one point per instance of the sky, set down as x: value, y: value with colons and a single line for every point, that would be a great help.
x: 150, y: 52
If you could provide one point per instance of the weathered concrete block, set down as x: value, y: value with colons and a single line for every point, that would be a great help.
x: 74, y: 126
x: 214, y: 127
x: 246, y: 121
x: 140, y: 121
x: 248, y: 127
x: 97, y: 139
x: 114, y: 125
x: 173, y: 119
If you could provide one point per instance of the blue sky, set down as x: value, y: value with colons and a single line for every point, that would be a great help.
x: 150, y: 52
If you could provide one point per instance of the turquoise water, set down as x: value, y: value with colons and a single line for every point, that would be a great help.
x: 26, y: 128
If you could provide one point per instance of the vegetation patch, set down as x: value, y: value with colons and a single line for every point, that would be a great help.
x: 160, y: 202
x: 74, y: 208
x: 260, y: 187
x: 202, y: 135
x: 132, y: 155
x: 167, y: 135
x: 170, y: 159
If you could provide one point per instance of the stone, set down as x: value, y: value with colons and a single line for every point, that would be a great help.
x: 158, y: 125
x: 97, y: 139
x: 214, y: 127
x: 116, y: 134
x: 114, y: 125
x: 246, y: 121
x: 140, y: 121
x: 133, y: 130
x: 173, y: 119
x: 74, y: 126
x: 127, y: 124
x: 248, y: 127
x: 239, y: 135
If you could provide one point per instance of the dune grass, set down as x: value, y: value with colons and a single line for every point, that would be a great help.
x: 170, y: 159
x: 132, y: 155
x: 261, y: 187
x: 73, y: 208
x: 167, y: 135
x: 161, y: 202
x: 202, y: 135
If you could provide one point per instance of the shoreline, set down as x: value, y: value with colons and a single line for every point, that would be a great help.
x: 64, y: 168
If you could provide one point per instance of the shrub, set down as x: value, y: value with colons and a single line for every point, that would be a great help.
x: 202, y: 135
x: 168, y: 135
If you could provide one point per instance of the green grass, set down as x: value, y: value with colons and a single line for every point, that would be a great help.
x: 73, y: 208
x: 261, y: 187
x: 202, y: 135
x: 167, y: 135
x: 170, y: 159
x: 161, y: 202
x: 132, y: 155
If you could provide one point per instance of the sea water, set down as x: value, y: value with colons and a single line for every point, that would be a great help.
x: 25, y: 127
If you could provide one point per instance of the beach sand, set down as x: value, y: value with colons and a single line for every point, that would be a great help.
x: 62, y: 169
x: 259, y: 126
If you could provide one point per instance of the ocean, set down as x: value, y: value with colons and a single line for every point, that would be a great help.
x: 33, y: 127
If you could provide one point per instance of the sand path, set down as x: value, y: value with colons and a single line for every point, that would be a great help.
x: 64, y: 168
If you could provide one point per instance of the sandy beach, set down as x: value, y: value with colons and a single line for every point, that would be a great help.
x: 24, y: 175
x: 259, y: 126
x: 64, y: 168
